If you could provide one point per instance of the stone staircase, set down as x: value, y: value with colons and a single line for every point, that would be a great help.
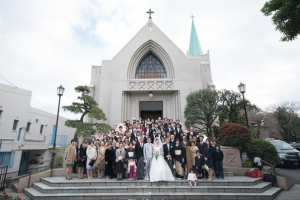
x: 233, y: 188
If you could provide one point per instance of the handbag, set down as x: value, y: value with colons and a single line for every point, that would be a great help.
x: 206, y: 167
x: 91, y: 163
x: 251, y: 173
x: 269, y: 177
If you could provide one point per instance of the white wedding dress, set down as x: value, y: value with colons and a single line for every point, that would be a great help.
x: 160, y: 170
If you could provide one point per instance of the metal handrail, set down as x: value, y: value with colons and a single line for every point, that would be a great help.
x: 273, y: 166
x: 27, y: 170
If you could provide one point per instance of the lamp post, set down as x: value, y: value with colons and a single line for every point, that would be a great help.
x: 60, y: 92
x: 242, y: 89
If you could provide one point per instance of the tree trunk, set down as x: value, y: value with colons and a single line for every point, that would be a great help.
x: 75, y: 136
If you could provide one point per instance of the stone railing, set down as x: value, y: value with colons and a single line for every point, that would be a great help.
x: 150, y: 84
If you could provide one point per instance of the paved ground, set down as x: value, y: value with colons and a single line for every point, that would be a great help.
x: 291, y: 174
x: 292, y: 194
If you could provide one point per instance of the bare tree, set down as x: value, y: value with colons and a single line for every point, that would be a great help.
x: 287, y: 114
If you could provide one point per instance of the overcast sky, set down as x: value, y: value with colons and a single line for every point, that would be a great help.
x: 47, y: 43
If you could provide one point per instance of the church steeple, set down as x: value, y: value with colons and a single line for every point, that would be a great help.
x: 195, y: 47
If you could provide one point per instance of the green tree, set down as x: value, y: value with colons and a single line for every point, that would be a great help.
x: 230, y: 106
x: 86, y: 107
x: 286, y: 17
x: 263, y: 149
x: 202, y: 109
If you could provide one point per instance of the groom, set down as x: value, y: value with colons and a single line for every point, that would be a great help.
x: 148, y: 157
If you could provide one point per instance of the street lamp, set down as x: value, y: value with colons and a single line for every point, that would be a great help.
x: 60, y: 92
x: 242, y: 89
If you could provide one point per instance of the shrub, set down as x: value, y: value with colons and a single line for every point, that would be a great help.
x: 263, y: 149
x: 234, y: 135
x: 7, y: 197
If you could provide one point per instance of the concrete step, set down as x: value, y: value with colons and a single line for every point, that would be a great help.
x: 259, y: 188
x: 269, y: 194
x: 75, y: 182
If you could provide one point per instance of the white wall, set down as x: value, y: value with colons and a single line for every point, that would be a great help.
x: 110, y: 80
x: 15, y: 104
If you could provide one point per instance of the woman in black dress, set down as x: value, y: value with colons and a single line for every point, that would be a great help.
x: 109, y: 159
x: 208, y: 157
x: 82, y: 160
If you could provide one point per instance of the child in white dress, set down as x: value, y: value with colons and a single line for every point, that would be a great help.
x: 192, y: 178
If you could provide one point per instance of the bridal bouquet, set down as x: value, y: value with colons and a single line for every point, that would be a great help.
x: 156, y: 153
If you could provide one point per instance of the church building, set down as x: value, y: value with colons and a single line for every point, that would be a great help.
x: 150, y: 77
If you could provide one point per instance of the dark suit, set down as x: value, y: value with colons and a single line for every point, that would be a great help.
x: 188, y: 135
x: 140, y: 159
x: 149, y: 131
x: 201, y: 147
x: 165, y: 125
x: 199, y: 162
x: 114, y: 160
x: 156, y: 135
x: 146, y: 137
x: 173, y: 143
x: 133, y: 136
x: 170, y: 130
x: 169, y: 150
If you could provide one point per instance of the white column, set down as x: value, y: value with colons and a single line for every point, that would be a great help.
x: 123, y: 107
x: 176, y: 105
x: 179, y: 107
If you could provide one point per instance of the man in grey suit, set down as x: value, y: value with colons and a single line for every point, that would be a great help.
x: 148, y: 157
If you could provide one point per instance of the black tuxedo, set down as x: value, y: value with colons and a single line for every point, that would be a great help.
x: 170, y: 130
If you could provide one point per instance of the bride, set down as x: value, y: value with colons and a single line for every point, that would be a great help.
x: 159, y: 171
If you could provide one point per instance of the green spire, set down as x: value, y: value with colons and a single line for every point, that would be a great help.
x: 195, y: 47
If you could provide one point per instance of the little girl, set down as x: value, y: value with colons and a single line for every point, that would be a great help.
x: 131, y: 169
x: 192, y: 178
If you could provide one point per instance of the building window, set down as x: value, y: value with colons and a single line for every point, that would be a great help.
x: 150, y: 68
x: 15, y: 125
x: 41, y: 129
x: 28, y: 127
x: 37, y: 121
x: 7, y: 158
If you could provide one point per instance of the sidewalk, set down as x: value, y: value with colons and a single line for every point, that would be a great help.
x: 292, y: 194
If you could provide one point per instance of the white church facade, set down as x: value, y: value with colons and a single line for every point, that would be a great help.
x: 150, y: 77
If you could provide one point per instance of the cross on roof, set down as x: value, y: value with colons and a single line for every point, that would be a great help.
x: 149, y: 12
x: 192, y: 17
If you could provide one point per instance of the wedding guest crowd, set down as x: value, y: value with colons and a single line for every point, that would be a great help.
x: 126, y: 151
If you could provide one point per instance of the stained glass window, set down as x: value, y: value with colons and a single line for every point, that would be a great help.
x: 150, y: 68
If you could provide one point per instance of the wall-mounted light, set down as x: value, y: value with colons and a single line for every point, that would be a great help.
x: 150, y: 94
